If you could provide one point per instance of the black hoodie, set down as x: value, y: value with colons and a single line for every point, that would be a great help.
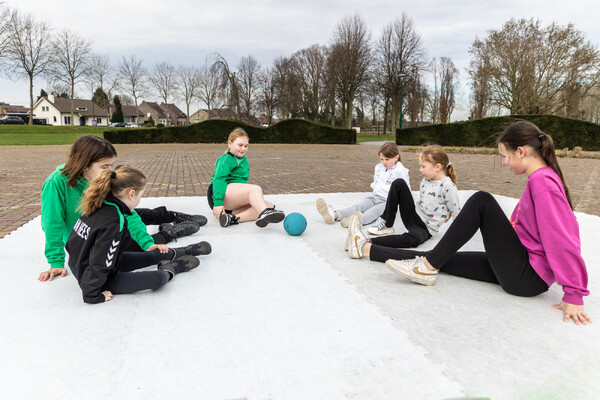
x: 95, y: 246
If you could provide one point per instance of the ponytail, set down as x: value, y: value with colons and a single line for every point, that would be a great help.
x: 437, y: 155
x: 524, y: 133
x: 115, y: 182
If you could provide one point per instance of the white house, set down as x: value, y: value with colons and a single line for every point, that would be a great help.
x: 57, y: 111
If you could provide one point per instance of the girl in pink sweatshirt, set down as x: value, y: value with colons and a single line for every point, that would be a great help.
x: 537, y: 246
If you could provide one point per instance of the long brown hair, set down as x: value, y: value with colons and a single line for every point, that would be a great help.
x: 84, y: 152
x: 437, y: 155
x: 525, y: 133
x: 122, y: 178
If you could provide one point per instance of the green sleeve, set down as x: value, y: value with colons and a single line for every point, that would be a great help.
x: 138, y: 231
x: 54, y: 221
x: 223, y: 168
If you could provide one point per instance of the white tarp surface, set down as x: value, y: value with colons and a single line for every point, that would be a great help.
x: 271, y: 316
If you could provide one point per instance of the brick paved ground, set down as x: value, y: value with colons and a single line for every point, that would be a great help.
x: 185, y: 170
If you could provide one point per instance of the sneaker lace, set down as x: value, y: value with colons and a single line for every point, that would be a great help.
x: 380, y: 223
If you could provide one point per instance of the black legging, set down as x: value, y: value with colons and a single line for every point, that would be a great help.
x: 505, y: 260
x: 125, y: 281
x: 400, y: 197
x: 155, y: 216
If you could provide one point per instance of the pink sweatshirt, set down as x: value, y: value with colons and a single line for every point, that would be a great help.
x: 547, y: 227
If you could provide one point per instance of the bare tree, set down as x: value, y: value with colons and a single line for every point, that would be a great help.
x: 228, y: 83
x: 351, y: 40
x: 287, y: 87
x: 248, y: 70
x: 188, y: 81
x: 267, y: 94
x: 28, y: 49
x: 101, y: 74
x: 400, y: 55
x: 132, y: 76
x: 164, y: 80
x: 310, y: 64
x: 481, y: 98
x: 447, y: 73
x: 208, y: 86
x: 6, y: 14
x: 69, y: 61
x: 535, y: 69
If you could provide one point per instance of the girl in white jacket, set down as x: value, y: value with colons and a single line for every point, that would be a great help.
x: 387, y: 171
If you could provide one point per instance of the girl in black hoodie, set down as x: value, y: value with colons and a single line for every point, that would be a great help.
x: 95, y: 246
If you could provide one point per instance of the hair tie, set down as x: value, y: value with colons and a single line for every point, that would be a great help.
x: 449, y: 164
x: 542, y: 136
x: 113, y: 175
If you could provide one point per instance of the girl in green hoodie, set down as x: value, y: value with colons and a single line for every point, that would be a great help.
x: 63, y: 190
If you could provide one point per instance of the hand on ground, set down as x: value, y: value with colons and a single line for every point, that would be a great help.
x: 108, y: 296
x: 51, y: 273
x: 573, y: 311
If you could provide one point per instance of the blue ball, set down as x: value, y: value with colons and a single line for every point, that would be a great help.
x: 294, y: 224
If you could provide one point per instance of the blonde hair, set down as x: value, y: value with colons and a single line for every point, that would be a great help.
x: 122, y: 178
x: 390, y: 150
x: 236, y: 133
x: 437, y: 155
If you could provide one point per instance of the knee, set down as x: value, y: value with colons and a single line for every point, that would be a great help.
x: 256, y: 189
x: 482, y: 196
x: 400, y: 184
x: 160, y: 279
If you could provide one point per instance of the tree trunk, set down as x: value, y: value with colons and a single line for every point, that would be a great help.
x: 72, y: 104
x: 30, y: 122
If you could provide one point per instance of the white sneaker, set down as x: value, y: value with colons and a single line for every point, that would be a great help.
x: 379, y: 229
x: 326, y: 211
x: 357, y: 238
x: 414, y: 270
x: 355, y: 216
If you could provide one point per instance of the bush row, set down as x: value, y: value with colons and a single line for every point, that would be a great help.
x: 566, y: 132
x: 217, y: 131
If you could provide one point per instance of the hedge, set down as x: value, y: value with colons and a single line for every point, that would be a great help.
x: 217, y: 131
x: 566, y: 132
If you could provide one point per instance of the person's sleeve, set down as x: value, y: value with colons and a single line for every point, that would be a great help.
x: 452, y: 200
x: 54, y: 222
x: 559, y: 232
x: 375, y: 177
x: 103, y: 260
x: 403, y: 174
x: 138, y: 231
x: 222, y: 171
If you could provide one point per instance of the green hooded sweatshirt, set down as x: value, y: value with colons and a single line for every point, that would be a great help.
x: 60, y: 204
x: 228, y: 169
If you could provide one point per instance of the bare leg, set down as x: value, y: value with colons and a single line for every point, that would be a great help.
x: 245, y: 200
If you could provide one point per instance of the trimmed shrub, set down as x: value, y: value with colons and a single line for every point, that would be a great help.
x: 566, y: 132
x: 217, y: 131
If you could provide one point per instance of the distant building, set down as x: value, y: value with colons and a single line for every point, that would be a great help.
x: 57, y: 111
x: 159, y: 113
x: 218, y: 113
x: 130, y: 115
x: 9, y: 109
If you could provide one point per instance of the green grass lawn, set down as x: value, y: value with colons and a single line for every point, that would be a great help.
x: 374, y: 138
x: 41, y: 134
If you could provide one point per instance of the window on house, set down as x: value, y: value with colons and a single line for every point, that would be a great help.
x: 67, y: 120
x: 99, y: 120
x: 55, y: 118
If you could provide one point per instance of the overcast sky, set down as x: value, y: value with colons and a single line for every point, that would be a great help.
x: 186, y: 31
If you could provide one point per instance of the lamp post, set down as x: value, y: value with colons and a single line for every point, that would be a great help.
x: 401, y: 87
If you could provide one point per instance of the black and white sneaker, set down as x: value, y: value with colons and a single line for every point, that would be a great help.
x: 183, y: 217
x: 227, y: 219
x: 183, y: 264
x: 269, y: 216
